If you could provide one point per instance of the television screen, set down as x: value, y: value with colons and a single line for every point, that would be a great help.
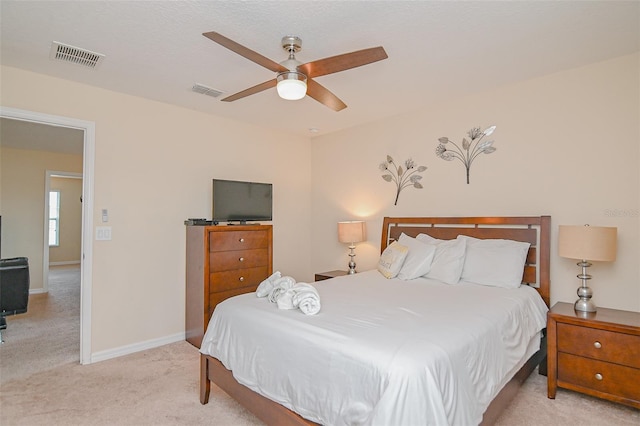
x: 235, y: 201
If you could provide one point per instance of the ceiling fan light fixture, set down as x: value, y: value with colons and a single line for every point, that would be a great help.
x: 292, y: 85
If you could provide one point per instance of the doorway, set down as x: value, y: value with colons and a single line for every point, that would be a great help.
x: 88, y: 129
x: 67, y: 227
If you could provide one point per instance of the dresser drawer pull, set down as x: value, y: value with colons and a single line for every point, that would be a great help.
x: 597, y: 344
x: 241, y: 279
x: 241, y: 240
x: 598, y: 376
x: 241, y: 259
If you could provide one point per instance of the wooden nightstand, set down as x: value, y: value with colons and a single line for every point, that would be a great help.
x: 594, y: 353
x: 331, y: 274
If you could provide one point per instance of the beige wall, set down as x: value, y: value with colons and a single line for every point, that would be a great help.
x: 68, y: 251
x: 153, y: 169
x: 23, y: 194
x: 567, y: 146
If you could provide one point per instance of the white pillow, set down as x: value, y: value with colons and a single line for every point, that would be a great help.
x: 448, y: 259
x: 391, y: 259
x: 494, y: 262
x: 418, y: 260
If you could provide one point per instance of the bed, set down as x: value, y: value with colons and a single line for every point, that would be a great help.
x: 413, y: 371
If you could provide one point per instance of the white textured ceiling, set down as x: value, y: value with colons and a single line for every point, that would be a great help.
x: 437, y: 50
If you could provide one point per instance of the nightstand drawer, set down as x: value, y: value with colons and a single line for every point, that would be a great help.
x: 599, y: 376
x: 599, y: 344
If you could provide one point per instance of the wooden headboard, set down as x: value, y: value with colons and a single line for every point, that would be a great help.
x: 532, y: 229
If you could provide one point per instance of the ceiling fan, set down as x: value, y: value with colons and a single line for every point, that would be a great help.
x: 294, y: 79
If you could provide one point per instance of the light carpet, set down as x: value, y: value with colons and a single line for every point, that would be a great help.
x: 160, y: 387
x: 48, y: 334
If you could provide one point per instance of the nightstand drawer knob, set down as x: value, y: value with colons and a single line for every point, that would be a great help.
x: 597, y: 345
x: 598, y: 376
x: 241, y: 279
x: 242, y: 260
x: 241, y: 240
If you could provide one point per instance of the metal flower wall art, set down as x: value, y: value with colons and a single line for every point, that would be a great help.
x: 470, y: 149
x: 402, y: 177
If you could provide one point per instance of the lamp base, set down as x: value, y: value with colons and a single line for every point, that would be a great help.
x: 352, y: 263
x: 584, y: 303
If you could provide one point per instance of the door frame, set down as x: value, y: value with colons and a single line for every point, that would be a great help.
x: 86, y: 262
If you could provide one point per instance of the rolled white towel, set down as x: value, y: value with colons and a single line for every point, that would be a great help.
x: 285, y: 300
x: 280, y: 286
x: 301, y: 294
x: 307, y: 299
x: 266, y: 286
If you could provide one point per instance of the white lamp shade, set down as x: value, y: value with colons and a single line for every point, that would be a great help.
x: 596, y: 243
x: 291, y: 85
x: 353, y: 231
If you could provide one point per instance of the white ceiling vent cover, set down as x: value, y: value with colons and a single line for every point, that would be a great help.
x: 75, y: 55
x: 201, y: 88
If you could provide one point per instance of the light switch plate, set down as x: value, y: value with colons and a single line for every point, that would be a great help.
x: 103, y: 233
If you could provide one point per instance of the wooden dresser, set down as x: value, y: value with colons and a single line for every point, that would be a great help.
x: 594, y: 353
x: 223, y: 261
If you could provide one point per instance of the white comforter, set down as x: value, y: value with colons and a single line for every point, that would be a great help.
x: 380, y: 352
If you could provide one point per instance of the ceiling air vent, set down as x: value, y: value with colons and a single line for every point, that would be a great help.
x: 75, y: 55
x: 200, y: 88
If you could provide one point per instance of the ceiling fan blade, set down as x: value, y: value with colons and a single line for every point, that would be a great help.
x: 251, y: 91
x: 245, y: 52
x: 342, y: 62
x: 324, y: 96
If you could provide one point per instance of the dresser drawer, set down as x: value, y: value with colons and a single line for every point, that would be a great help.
x: 216, y: 298
x: 599, y: 376
x: 237, y: 278
x: 238, y: 240
x: 599, y: 344
x: 238, y: 259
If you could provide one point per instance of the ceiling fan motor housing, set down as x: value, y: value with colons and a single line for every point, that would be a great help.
x: 291, y: 44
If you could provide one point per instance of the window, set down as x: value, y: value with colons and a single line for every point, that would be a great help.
x: 54, y: 218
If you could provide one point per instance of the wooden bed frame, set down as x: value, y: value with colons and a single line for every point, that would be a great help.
x: 533, y: 229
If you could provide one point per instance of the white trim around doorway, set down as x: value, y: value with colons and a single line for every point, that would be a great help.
x: 87, y: 211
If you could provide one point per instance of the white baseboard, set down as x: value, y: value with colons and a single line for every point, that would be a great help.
x: 37, y: 290
x: 135, y: 347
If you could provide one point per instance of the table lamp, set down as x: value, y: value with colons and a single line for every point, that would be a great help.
x: 352, y: 232
x: 585, y: 243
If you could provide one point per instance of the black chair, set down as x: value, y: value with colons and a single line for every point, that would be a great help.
x: 14, y: 288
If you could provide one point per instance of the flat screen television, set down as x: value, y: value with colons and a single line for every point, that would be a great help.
x: 236, y: 201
